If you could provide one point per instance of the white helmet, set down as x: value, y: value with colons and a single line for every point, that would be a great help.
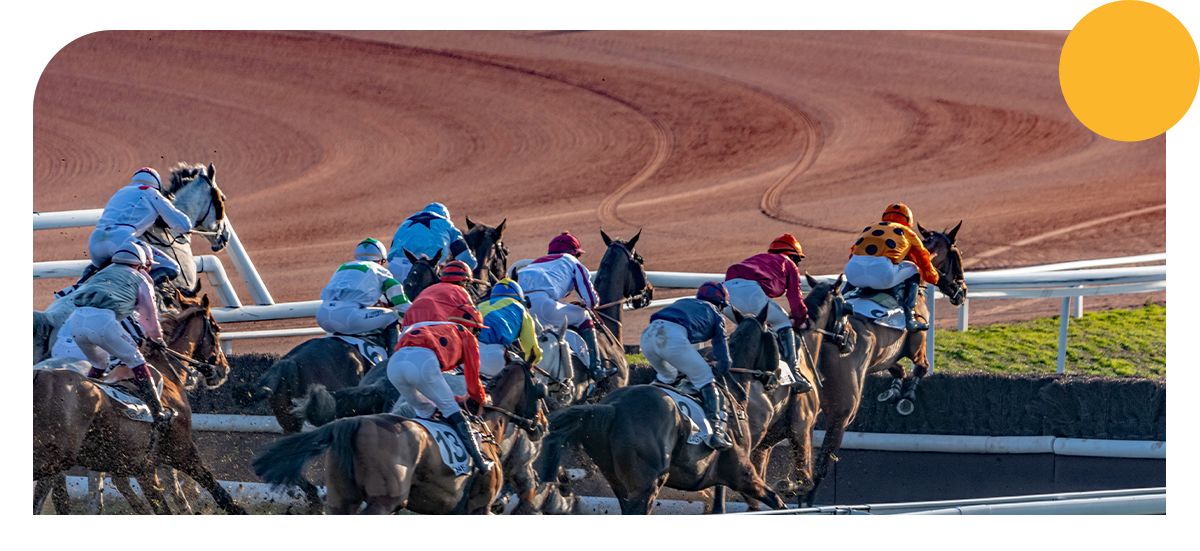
x: 370, y: 250
x: 147, y: 252
x: 147, y: 176
x: 129, y: 255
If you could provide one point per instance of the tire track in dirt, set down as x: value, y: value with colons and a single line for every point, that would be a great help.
x: 975, y: 258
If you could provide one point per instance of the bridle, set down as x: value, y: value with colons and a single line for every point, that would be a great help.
x: 959, y: 291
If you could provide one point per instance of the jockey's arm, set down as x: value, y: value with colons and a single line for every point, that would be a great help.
x: 528, y: 338
x: 470, y: 364
x: 720, y: 348
x: 919, y: 255
x: 393, y: 293
x: 147, y: 311
x: 583, y: 286
x: 798, y: 310
x: 174, y: 218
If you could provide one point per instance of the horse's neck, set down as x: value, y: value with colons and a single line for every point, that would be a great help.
x: 614, y: 327
x: 192, y: 199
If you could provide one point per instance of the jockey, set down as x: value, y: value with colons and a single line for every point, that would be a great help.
x: 890, y: 253
x: 426, y: 233
x: 131, y: 211
x: 161, y: 268
x: 753, y: 282
x: 112, y: 294
x: 416, y: 367
x: 438, y: 301
x: 362, y: 296
x: 550, y: 279
x: 507, y: 321
x: 667, y: 343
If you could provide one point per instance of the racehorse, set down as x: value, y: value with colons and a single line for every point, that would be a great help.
x: 776, y: 412
x: 424, y: 272
x: 491, y: 257
x: 637, y: 435
x: 193, y: 190
x: 75, y: 423
x: 620, y: 278
x: 874, y: 348
x: 392, y: 463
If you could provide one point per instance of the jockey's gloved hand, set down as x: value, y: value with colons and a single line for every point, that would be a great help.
x: 805, y: 326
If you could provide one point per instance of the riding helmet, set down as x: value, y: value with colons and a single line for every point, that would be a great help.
x: 456, y: 271
x: 467, y: 316
x: 508, y: 288
x: 146, y: 176
x: 714, y: 292
x: 566, y: 243
x: 786, y: 244
x: 898, y: 213
x: 370, y: 250
x: 129, y: 255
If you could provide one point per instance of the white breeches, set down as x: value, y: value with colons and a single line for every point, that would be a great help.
x: 749, y: 298
x: 550, y: 312
x: 878, y: 272
x: 348, y: 318
x: 103, y: 243
x: 98, y: 334
x: 416, y: 373
x: 666, y: 347
x: 491, y: 359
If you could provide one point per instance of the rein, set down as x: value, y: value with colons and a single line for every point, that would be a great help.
x: 521, y: 422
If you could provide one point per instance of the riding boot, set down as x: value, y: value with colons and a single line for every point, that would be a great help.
x: 148, y: 394
x: 718, y: 440
x: 787, y: 349
x: 598, y: 373
x: 910, y: 304
x: 391, y: 336
x: 470, y: 441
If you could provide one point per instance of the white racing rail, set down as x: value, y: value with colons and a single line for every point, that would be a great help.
x: 1070, y: 281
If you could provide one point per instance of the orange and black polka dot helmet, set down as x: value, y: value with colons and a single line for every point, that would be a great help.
x: 898, y: 213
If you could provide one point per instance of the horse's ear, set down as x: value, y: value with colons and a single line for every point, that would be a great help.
x: 607, y: 239
x: 924, y: 232
x: 762, y: 316
x: 500, y: 229
x: 204, y: 302
x: 529, y: 358
x: 562, y: 330
x: 470, y: 224
x: 508, y: 357
x: 179, y: 296
x: 954, y: 232
x: 737, y: 315
x: 811, y: 281
x: 437, y: 257
x: 633, y: 241
x: 212, y: 170
x: 838, y: 284
x: 411, y: 259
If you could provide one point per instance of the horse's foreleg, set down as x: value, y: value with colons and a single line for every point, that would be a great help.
x: 893, y: 392
x: 176, y: 491
x: 190, y: 465
x: 95, y: 493
x: 906, y: 404
x: 835, y: 429
x: 718, y: 501
x: 135, y: 502
x: 42, y: 490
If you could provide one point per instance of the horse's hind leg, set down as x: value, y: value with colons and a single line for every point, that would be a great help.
x: 175, y: 490
x: 95, y: 493
x: 135, y: 502
x: 190, y: 465
x: 642, y: 502
x: 381, y: 505
x: 906, y: 404
x: 42, y: 490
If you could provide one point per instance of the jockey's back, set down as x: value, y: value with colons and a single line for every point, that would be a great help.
x: 558, y: 275
x: 138, y: 206
x: 363, y: 283
x: 430, y: 231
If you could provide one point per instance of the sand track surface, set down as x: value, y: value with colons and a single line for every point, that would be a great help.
x: 710, y: 143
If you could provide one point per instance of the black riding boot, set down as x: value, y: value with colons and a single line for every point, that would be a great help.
x: 910, y: 304
x: 470, y: 441
x: 598, y: 373
x: 718, y: 440
x: 787, y: 349
x: 147, y: 393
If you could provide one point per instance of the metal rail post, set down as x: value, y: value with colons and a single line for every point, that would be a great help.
x: 929, y: 301
x: 962, y: 314
x: 1064, y: 321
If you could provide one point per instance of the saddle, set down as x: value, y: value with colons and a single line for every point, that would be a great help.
x: 454, y: 453
x: 684, y: 387
x: 373, y: 348
x: 118, y: 385
x: 881, y: 307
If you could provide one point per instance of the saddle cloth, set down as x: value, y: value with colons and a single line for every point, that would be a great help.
x: 372, y: 352
x: 133, y: 407
x: 579, y: 347
x: 691, y: 410
x: 880, y: 307
x: 454, y: 455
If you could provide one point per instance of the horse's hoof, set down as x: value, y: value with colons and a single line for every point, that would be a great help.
x: 905, y: 407
x: 784, y: 486
x: 888, y: 395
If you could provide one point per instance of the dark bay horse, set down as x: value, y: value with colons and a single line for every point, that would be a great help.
x: 425, y: 272
x: 637, y: 436
x: 875, y: 348
x: 75, y: 423
x: 392, y: 463
x: 491, y: 256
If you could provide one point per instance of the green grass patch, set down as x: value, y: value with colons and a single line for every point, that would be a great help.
x: 1109, y: 343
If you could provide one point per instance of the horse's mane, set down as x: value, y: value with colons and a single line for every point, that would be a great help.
x: 739, y: 337
x: 818, y: 294
x: 181, y: 174
x: 190, y: 309
x: 495, y: 381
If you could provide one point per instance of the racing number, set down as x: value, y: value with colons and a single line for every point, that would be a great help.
x: 459, y: 454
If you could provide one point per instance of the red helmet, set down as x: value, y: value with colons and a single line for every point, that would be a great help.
x: 467, y: 316
x: 456, y: 271
x: 566, y: 243
x: 786, y: 244
x: 713, y: 292
x: 898, y: 213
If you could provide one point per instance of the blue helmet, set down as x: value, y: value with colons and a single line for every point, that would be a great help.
x: 713, y: 292
x: 438, y: 209
x: 508, y: 288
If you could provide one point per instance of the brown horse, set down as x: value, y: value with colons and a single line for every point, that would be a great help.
x: 638, y: 437
x: 875, y: 348
x: 393, y: 463
x: 491, y: 256
x: 75, y: 423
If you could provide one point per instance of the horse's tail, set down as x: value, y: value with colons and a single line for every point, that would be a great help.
x: 248, y: 393
x: 567, y: 427
x: 283, y: 463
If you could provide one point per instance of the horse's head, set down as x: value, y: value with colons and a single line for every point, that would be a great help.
x: 828, y: 310
x: 517, y: 391
x: 194, y: 333
x: 556, y: 362
x: 947, y: 260
x: 491, y: 256
x: 194, y: 191
x: 424, y: 272
x: 621, y: 274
